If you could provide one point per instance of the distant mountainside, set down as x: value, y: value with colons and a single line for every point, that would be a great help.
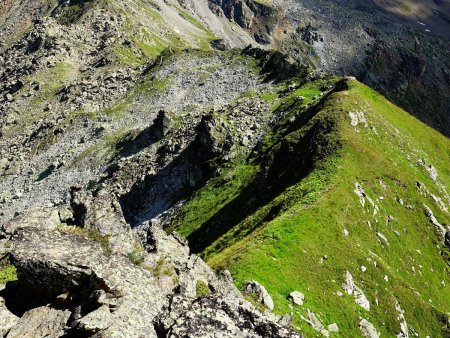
x: 219, y: 169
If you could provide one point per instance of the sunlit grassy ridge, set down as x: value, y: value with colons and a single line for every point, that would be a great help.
x: 314, y: 230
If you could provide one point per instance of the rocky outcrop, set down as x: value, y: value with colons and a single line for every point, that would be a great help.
x: 56, y: 263
x: 42, y: 321
x: 254, y: 16
x: 92, y: 291
x: 350, y: 287
x: 211, y: 316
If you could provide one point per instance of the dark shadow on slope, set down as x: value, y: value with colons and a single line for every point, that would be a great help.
x: 157, y: 193
x: 131, y: 145
x: 307, y: 142
x: 277, y: 66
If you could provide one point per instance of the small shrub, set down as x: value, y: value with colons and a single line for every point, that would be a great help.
x: 8, y: 274
x: 136, y: 257
x: 158, y: 267
x: 94, y: 235
x: 202, y: 289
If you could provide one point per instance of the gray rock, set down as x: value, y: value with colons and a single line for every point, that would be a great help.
x: 211, y: 316
x: 44, y: 218
x: 122, y: 299
x: 7, y: 319
x: 52, y: 262
x: 367, y: 329
x: 227, y: 276
x: 350, y: 287
x: 96, y: 320
x: 261, y: 292
x: 42, y: 321
x: 296, y: 297
x: 333, y: 327
x: 439, y: 227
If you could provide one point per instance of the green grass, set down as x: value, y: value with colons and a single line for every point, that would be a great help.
x: 8, y: 274
x: 202, y: 289
x: 284, y: 251
x: 137, y: 255
x: 91, y: 234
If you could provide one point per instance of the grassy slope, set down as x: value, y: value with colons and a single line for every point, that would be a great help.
x: 284, y: 254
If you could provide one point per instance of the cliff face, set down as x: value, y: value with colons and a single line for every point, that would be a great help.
x: 127, y: 127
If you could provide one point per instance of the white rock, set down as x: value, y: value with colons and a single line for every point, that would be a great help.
x: 357, y: 118
x: 261, y: 292
x: 333, y: 327
x: 401, y: 318
x: 367, y: 329
x: 439, y: 227
x: 297, y: 297
x: 382, y: 237
x: 350, y: 287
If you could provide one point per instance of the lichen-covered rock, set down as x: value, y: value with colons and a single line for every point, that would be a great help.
x: 42, y: 321
x: 54, y: 262
x: 107, y: 295
x: 212, y: 316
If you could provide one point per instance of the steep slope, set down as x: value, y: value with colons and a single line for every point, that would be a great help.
x: 121, y: 119
x: 73, y: 68
x: 397, y: 54
x: 364, y: 206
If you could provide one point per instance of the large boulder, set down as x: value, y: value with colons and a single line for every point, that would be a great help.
x: 55, y: 263
x: 212, y: 316
x: 42, y: 321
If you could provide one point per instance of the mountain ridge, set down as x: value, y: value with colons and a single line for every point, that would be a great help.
x: 127, y: 127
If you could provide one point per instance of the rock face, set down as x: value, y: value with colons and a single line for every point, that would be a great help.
x: 92, y: 291
x: 253, y: 16
x: 56, y: 263
x: 122, y: 121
